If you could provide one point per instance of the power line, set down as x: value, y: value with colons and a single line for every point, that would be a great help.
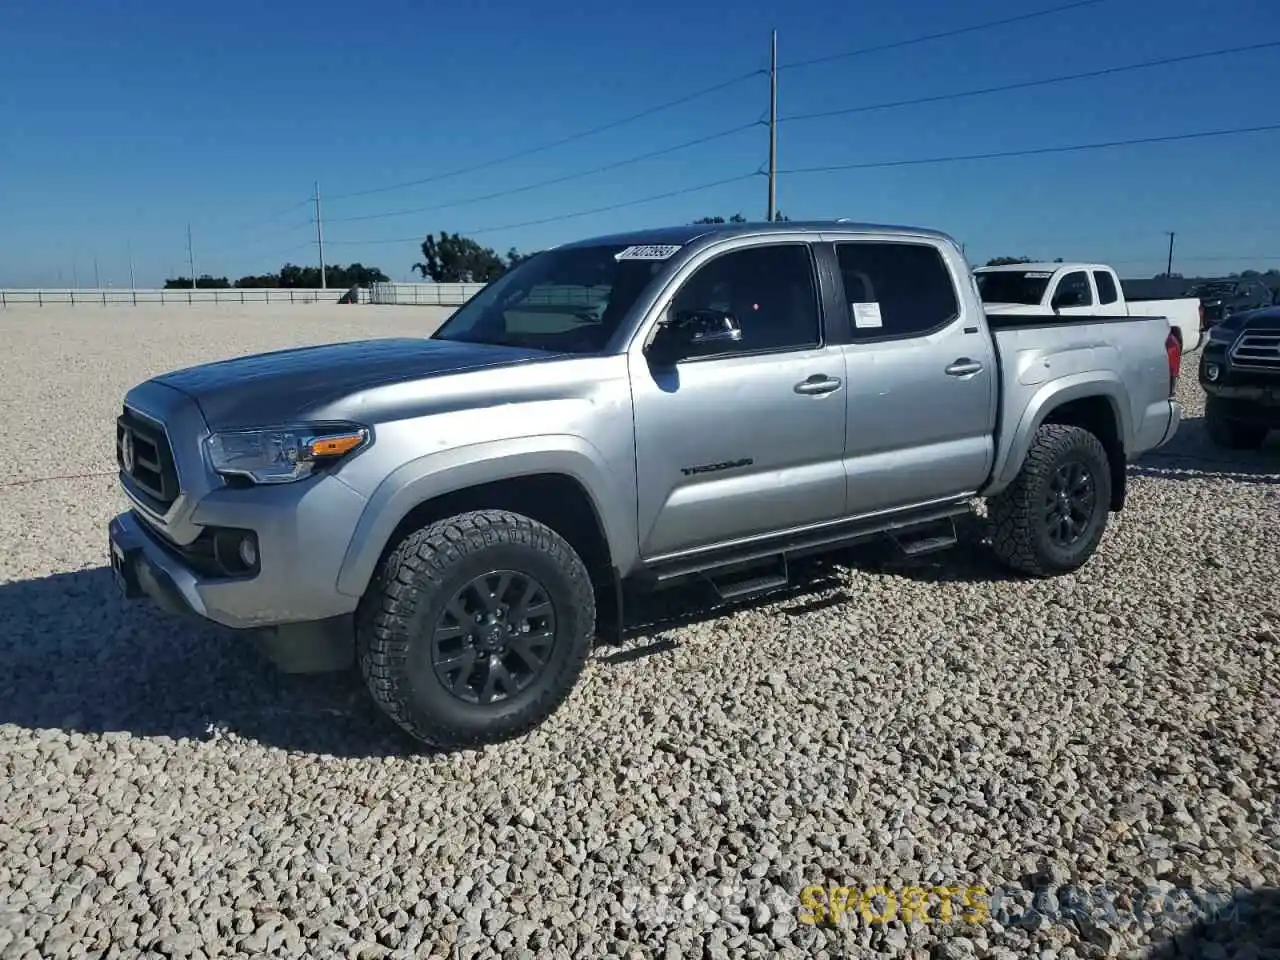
x: 1073, y: 148
x: 1024, y: 84
x: 697, y: 94
x: 960, y: 31
x: 554, y: 180
x: 707, y: 91
x: 570, y: 216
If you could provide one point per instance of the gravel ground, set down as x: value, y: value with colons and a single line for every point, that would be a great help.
x: 1097, y: 752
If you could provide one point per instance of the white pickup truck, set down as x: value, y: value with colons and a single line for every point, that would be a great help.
x: 1080, y: 290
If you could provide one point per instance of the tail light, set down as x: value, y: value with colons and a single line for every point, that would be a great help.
x: 1200, y: 307
x: 1173, y: 350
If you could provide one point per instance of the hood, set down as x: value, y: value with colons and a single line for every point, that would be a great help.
x: 1265, y: 320
x: 284, y: 385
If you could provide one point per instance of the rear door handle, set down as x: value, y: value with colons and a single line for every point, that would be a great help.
x: 818, y: 384
x: 963, y: 367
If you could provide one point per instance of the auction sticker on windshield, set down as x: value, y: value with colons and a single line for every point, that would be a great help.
x: 648, y: 251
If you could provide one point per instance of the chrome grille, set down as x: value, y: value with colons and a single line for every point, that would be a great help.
x: 1257, y: 350
x: 145, y: 458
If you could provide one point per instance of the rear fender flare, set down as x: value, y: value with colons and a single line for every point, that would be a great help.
x: 1051, y: 396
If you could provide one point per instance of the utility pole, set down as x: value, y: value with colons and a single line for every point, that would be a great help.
x: 320, y: 237
x: 773, y: 126
x: 1169, y: 269
x: 191, y: 257
x: 97, y: 284
x: 133, y: 288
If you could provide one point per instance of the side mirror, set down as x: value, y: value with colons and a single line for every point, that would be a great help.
x: 690, y: 332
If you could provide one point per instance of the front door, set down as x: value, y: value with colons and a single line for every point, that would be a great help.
x: 1074, y: 296
x: 749, y: 439
x: 922, y: 378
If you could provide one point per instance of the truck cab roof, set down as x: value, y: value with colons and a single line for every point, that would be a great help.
x: 687, y: 233
x: 1042, y: 267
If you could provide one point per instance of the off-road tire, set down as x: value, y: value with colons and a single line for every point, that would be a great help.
x: 416, y: 580
x: 1232, y: 434
x: 1020, y: 536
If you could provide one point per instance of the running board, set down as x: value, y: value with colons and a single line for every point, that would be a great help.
x: 926, y: 538
x: 724, y: 563
x: 753, y: 582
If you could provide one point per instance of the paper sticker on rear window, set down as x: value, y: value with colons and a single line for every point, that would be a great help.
x: 647, y: 251
x: 867, y: 315
x: 1037, y: 276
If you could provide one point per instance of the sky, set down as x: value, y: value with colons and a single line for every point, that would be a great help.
x: 127, y: 121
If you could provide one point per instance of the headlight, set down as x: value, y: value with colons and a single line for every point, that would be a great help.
x: 282, y: 454
x: 1220, y: 333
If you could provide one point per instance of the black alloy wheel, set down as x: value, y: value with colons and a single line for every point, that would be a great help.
x: 1070, y: 499
x: 494, y: 637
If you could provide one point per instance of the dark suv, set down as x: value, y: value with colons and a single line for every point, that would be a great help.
x: 1220, y: 299
x: 1240, y: 373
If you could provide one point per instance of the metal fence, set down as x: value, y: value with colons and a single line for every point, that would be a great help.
x: 423, y: 294
x: 103, y: 297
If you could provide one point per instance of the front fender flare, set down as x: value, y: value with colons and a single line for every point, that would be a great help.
x: 458, y: 468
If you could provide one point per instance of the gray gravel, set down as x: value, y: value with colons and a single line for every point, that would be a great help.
x: 1098, y: 751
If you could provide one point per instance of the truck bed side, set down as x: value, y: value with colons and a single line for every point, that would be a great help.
x: 1109, y: 373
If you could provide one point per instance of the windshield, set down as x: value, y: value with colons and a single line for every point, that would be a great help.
x: 565, y: 300
x: 1212, y: 290
x: 1013, y: 286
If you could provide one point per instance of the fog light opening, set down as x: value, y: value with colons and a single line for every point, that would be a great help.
x: 248, y: 551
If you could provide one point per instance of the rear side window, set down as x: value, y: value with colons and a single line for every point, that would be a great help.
x: 1106, y: 287
x: 896, y: 290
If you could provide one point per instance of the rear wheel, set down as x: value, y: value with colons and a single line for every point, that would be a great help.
x: 476, y: 628
x: 1232, y: 434
x: 1052, y: 517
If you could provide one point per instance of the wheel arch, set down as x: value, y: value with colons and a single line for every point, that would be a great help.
x: 1099, y: 405
x: 565, y: 488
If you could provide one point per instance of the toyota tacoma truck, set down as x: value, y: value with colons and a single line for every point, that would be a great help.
x: 462, y: 515
x: 1081, y: 290
x: 1240, y: 373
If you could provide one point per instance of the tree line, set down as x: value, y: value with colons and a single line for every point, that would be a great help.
x: 290, y: 276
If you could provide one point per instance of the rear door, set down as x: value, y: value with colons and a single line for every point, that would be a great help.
x: 922, y: 376
x: 747, y: 440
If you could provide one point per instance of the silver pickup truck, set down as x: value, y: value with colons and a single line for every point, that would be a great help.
x: 460, y: 514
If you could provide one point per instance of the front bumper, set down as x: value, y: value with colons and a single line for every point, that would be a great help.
x: 302, y: 532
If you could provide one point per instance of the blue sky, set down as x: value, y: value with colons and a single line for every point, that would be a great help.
x: 125, y: 121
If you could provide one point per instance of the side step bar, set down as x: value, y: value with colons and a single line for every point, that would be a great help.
x: 926, y: 538
x: 751, y: 582
x: 762, y: 567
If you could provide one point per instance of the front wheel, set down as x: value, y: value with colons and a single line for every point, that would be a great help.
x: 1052, y: 517
x: 1232, y: 434
x: 475, y: 628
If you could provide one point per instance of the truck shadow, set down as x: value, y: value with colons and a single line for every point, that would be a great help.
x: 1247, y: 926
x: 75, y: 657
x: 1190, y: 455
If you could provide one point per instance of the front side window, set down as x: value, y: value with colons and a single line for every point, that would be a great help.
x: 1073, y: 291
x: 568, y: 300
x: 770, y: 290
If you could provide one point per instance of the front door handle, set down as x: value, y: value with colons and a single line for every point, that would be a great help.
x: 963, y: 367
x: 818, y: 384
